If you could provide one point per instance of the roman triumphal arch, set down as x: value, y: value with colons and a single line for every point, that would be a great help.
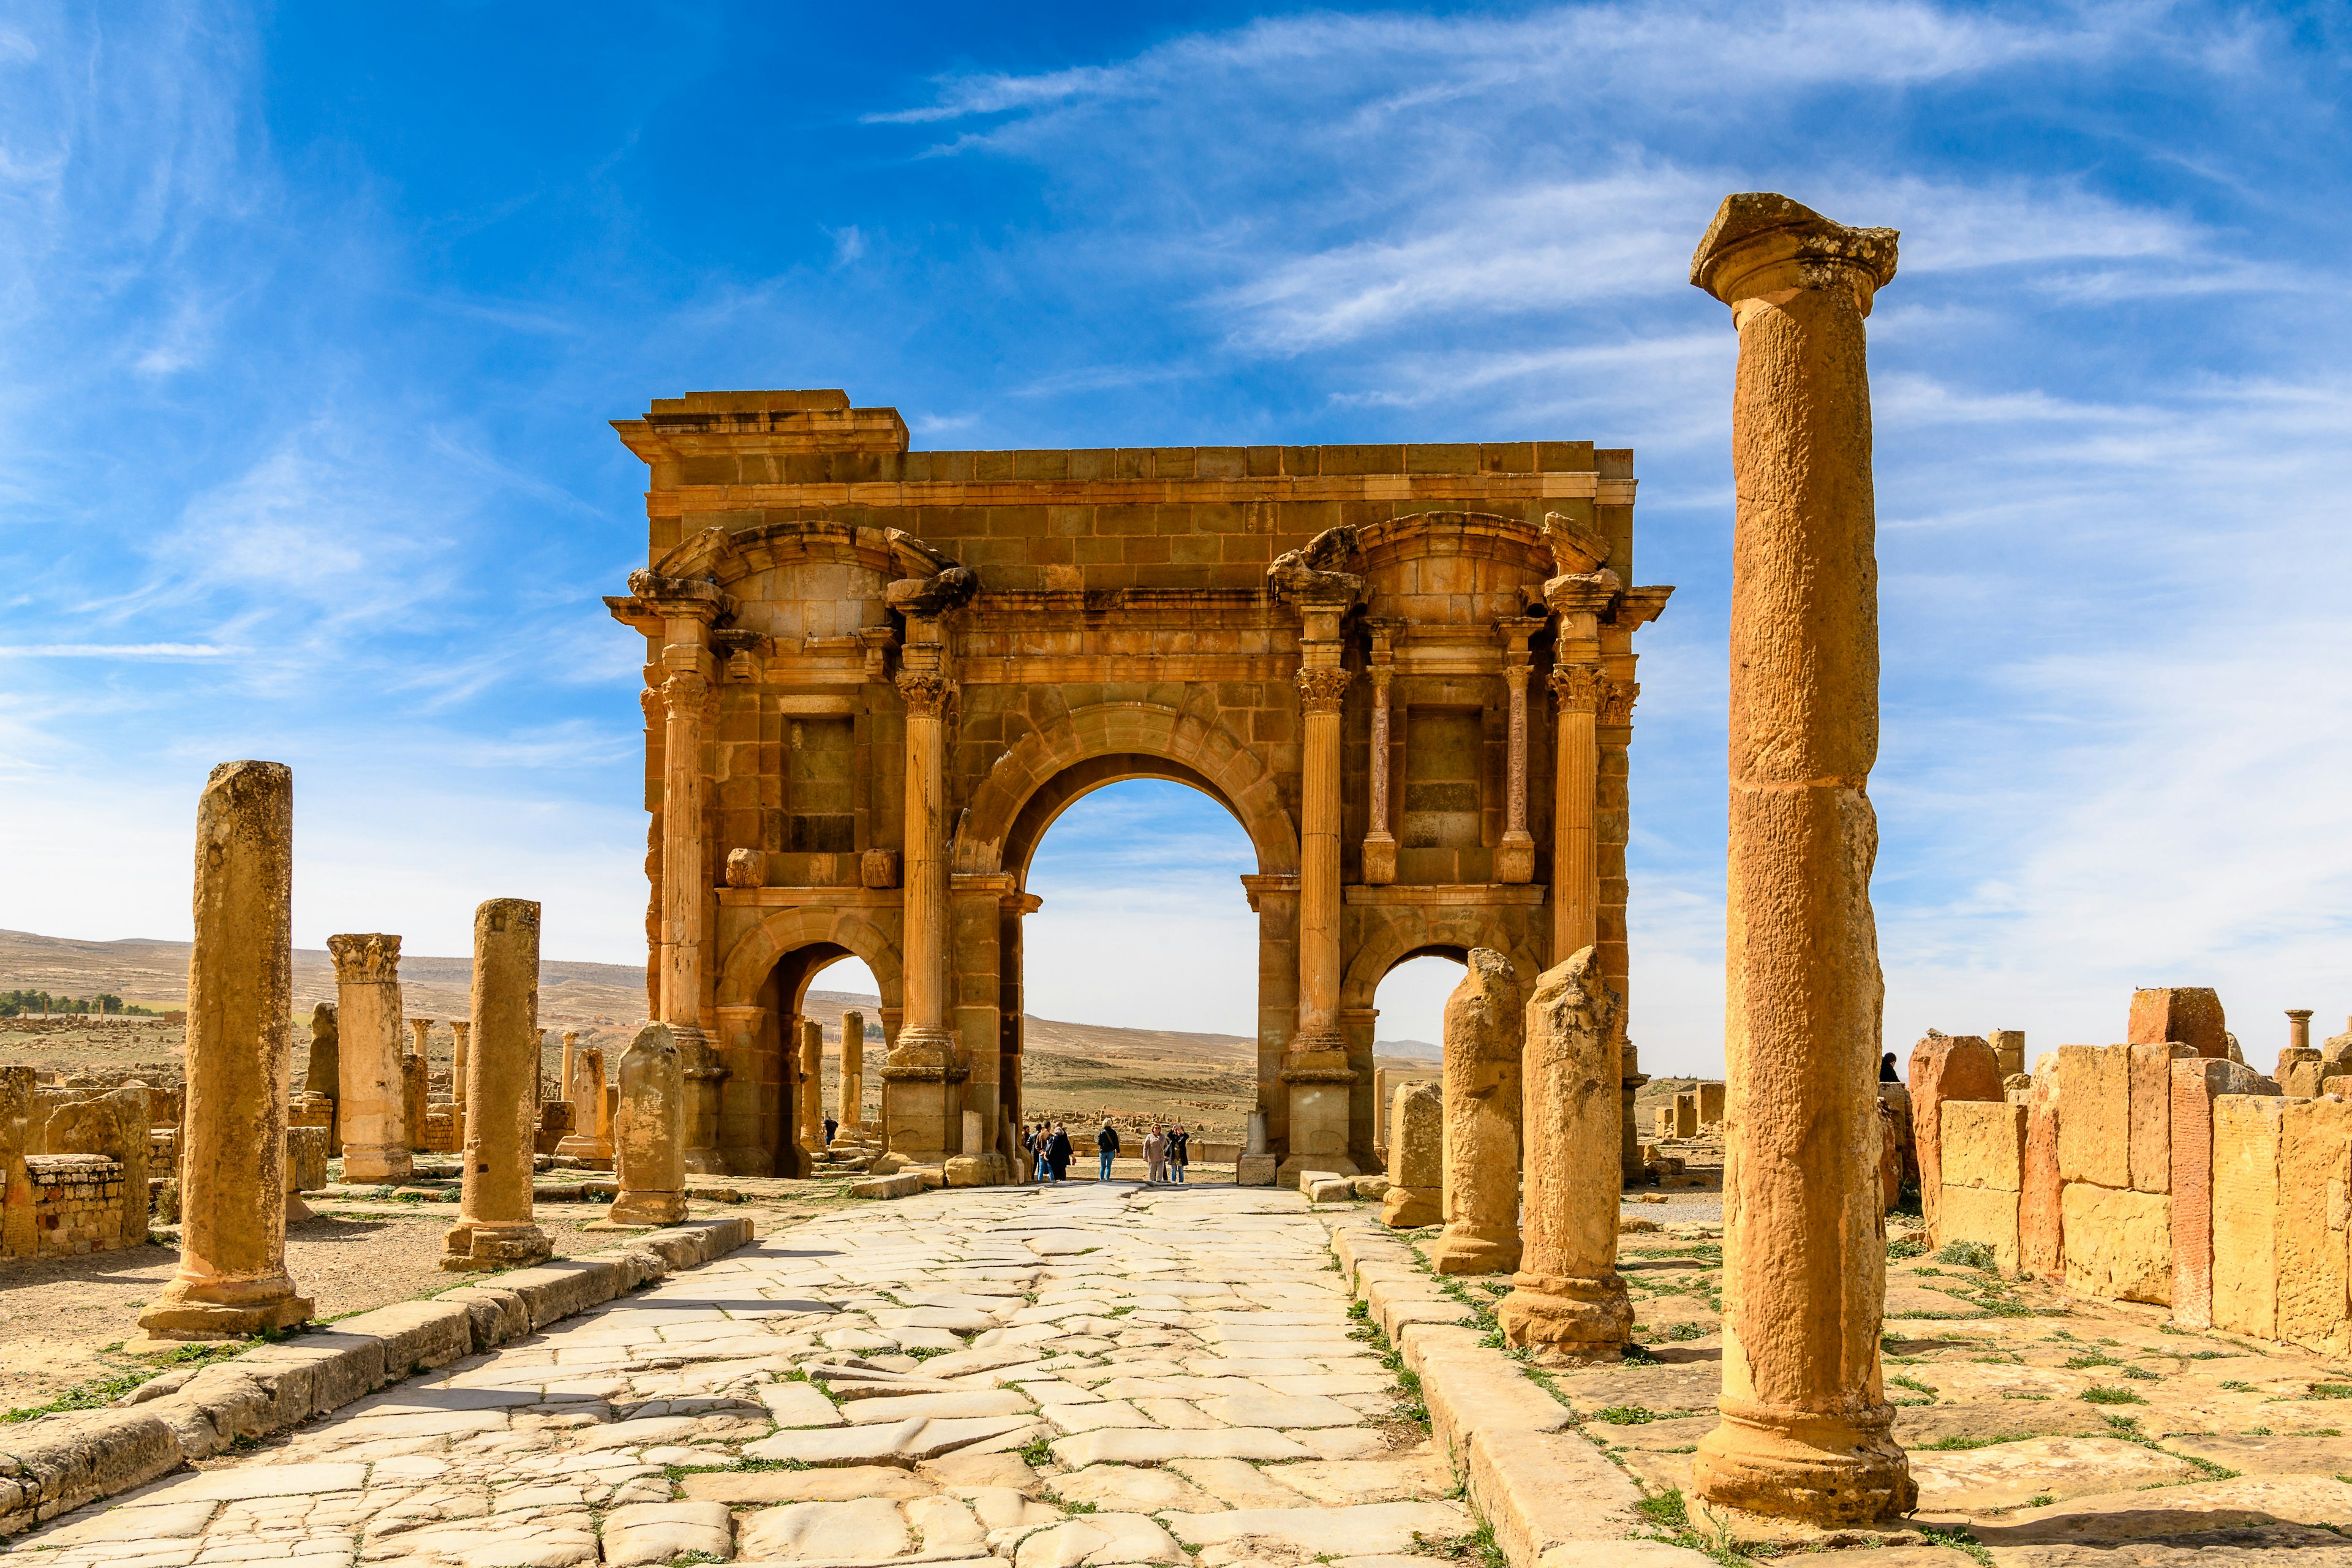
x: 874, y: 676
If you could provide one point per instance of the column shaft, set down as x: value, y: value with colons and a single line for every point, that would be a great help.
x: 1806, y: 1430
x: 852, y: 1114
x: 649, y: 1148
x: 374, y: 1093
x: 1575, y: 863
x: 1380, y: 844
x: 684, y: 695
x: 1484, y: 1026
x: 231, y: 1280
x: 1322, y: 691
x: 494, y: 1228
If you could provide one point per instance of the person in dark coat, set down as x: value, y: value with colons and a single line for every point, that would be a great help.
x: 1058, y: 1152
x: 1106, y: 1144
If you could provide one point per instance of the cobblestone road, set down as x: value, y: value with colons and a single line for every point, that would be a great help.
x: 1097, y: 1376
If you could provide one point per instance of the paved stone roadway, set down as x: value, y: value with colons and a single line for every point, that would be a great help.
x: 862, y: 1390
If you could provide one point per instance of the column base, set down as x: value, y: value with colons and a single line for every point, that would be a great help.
x: 1465, y: 1250
x: 1378, y: 862
x: 1409, y: 1208
x: 587, y: 1151
x: 1568, y: 1317
x: 1795, y: 1465
x: 635, y: 1211
x: 1287, y: 1174
x: 1254, y: 1171
x: 977, y: 1170
x: 174, y: 1319
x: 707, y: 1163
x: 296, y: 1209
x: 1514, y: 860
x: 473, y: 1244
x: 377, y: 1164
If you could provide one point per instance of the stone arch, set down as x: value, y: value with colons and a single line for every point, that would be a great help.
x: 1446, y: 933
x: 757, y: 951
x: 1156, y: 742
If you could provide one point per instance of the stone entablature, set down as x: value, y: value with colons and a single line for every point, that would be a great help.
x: 842, y: 632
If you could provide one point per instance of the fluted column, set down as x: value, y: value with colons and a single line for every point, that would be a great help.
x: 1806, y: 1430
x: 1576, y: 776
x: 924, y: 1063
x: 685, y: 698
x: 1316, y: 1066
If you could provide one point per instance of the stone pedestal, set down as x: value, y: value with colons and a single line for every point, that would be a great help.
x: 1568, y: 1300
x: 649, y: 1155
x: 1416, y: 1159
x: 494, y: 1228
x: 374, y: 1099
x: 1482, y: 1025
x: 591, y: 1139
x: 1807, y: 1431
x: 231, y: 1281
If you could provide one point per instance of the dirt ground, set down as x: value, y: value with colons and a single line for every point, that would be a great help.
x: 62, y: 1315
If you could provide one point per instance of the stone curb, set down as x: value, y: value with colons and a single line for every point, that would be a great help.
x: 56, y: 1463
x: 1553, y: 1498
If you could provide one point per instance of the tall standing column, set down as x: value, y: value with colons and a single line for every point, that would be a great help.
x: 494, y: 1228
x: 1575, y: 864
x: 1316, y: 1066
x: 375, y: 1083
x: 852, y: 1114
x: 1515, y: 854
x: 1568, y: 1298
x: 811, y: 1097
x: 462, y: 1031
x: 564, y: 1079
x: 231, y: 1280
x: 924, y: 1061
x: 1806, y: 1430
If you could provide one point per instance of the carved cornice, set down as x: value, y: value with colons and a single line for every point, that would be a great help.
x: 1617, y: 700
x: 925, y: 692
x: 1640, y: 606
x: 1313, y: 576
x: 1575, y: 547
x: 1322, y: 690
x: 1577, y: 686
x: 367, y: 957
x: 1582, y: 593
x: 692, y: 596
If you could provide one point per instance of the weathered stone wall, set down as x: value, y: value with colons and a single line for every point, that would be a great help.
x: 77, y: 1203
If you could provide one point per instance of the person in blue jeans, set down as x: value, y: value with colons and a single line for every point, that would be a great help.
x: 1106, y: 1141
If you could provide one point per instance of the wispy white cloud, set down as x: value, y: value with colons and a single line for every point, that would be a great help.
x: 113, y: 650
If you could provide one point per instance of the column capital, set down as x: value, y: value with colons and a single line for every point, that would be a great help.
x: 1322, y: 690
x: 1577, y: 686
x: 360, y: 958
x: 1762, y: 243
x: 1617, y: 701
x: 925, y: 692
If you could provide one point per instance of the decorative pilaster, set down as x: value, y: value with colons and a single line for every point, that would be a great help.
x: 925, y: 1062
x: 1807, y: 1432
x: 1380, y: 848
x: 1515, y: 856
x: 374, y: 1092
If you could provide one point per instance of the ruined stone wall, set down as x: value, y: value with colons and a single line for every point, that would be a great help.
x: 77, y: 1203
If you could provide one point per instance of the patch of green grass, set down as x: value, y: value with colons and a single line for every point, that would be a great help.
x: 1905, y: 1379
x: 925, y: 1352
x: 1968, y: 1255
x: 1688, y: 1331
x: 2139, y: 1374
x: 1359, y: 1310
x: 1959, y: 1540
x: 2330, y: 1390
x: 1069, y: 1507
x: 2090, y: 1359
x: 1639, y: 1354
x: 101, y: 1392
x: 2109, y: 1394
x: 1626, y: 1415
x: 1899, y: 1250
x: 2034, y: 1398
x: 2235, y: 1386
x: 1038, y: 1452
x: 1665, y: 1510
x: 2040, y: 1500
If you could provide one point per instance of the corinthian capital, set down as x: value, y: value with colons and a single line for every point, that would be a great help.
x: 925, y: 692
x: 686, y: 692
x: 1322, y: 690
x: 1577, y: 686
x: 1617, y: 700
x: 368, y: 956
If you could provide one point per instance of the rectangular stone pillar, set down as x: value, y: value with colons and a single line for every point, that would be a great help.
x: 2246, y: 1133
x: 590, y: 1141
x: 852, y: 1114
x: 231, y: 1281
x: 2196, y: 1083
x: 373, y: 1094
x: 2315, y: 1169
x: 2181, y: 1015
x: 2041, y: 1198
x: 650, y: 1159
x: 494, y: 1228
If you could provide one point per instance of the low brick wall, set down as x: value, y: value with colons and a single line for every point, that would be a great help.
x: 77, y: 1203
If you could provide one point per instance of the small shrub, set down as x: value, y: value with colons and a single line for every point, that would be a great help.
x: 1968, y: 1255
x: 1899, y: 1250
x: 2140, y: 1373
x: 1627, y: 1416
x: 2109, y: 1394
x: 2330, y: 1390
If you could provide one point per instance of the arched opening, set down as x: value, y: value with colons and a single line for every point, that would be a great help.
x: 1409, y: 1027
x: 1136, y: 977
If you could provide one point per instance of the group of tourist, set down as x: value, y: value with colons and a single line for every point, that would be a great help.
x: 1046, y: 1145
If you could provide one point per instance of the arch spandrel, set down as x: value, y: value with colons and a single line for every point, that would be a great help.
x: 1225, y: 768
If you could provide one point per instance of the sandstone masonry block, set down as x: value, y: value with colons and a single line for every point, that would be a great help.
x: 2246, y: 1130
x: 1988, y: 1214
x: 2314, y: 1192
x: 2197, y: 1082
x: 2118, y: 1243
x: 2095, y: 1125
x: 1945, y: 1067
x: 1984, y: 1145
x: 2151, y: 1073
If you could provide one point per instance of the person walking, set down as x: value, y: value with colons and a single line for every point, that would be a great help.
x: 1180, y: 1150
x: 1106, y: 1144
x: 1155, y: 1156
x: 831, y: 1127
x: 1058, y: 1152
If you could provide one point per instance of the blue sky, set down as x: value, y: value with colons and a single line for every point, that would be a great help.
x: 310, y: 319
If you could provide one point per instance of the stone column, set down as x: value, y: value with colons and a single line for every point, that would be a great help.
x: 1576, y: 776
x: 1416, y: 1159
x: 590, y: 1141
x: 1806, y: 1430
x: 462, y: 1031
x: 494, y: 1228
x: 1515, y: 856
x: 324, y: 1078
x: 851, y: 1115
x: 1484, y: 1024
x: 650, y: 1158
x: 1316, y: 1066
x: 1568, y: 1298
x: 812, y: 1096
x: 374, y: 1081
x: 1380, y: 848
x: 563, y: 1081
x: 925, y: 1063
x: 231, y: 1280
x: 2299, y: 1028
